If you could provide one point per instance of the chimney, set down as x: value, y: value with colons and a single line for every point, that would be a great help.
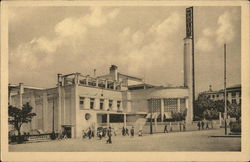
x: 113, y: 70
x: 59, y: 79
x: 94, y: 72
x: 210, y: 88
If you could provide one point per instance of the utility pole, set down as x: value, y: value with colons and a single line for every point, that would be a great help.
x: 225, y: 87
x: 193, y: 66
x: 53, y: 118
x: 151, y: 116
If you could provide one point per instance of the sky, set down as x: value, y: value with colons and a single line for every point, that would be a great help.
x: 143, y: 41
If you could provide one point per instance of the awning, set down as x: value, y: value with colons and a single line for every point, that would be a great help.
x: 168, y: 115
x: 148, y: 116
x: 154, y: 115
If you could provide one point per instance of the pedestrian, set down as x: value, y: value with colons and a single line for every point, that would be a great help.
x: 212, y: 125
x: 109, y: 133
x: 127, y: 133
x: 170, y: 126
x: 199, y: 125
x: 123, y: 131
x: 100, y: 134
x: 207, y: 127
x: 89, y: 133
x: 166, y: 128
x: 84, y: 134
x: 92, y: 133
x: 140, y: 133
x: 104, y: 132
x: 115, y: 130
x: 202, y: 124
x: 132, y: 132
x: 180, y: 126
x: 184, y: 126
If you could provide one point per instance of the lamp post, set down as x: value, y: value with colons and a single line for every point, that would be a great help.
x: 225, y: 87
x: 151, y: 116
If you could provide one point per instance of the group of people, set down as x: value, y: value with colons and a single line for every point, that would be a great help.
x: 125, y: 131
x: 201, y: 125
x: 109, y: 132
x: 182, y: 126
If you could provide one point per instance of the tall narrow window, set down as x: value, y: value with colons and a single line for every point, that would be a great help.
x: 118, y: 105
x: 101, y: 104
x: 92, y: 101
x: 81, y: 102
x: 110, y: 104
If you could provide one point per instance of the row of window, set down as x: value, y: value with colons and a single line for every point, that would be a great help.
x: 101, y: 104
x: 233, y: 94
x: 170, y: 104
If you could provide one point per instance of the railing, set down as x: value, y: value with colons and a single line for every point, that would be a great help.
x: 38, y: 137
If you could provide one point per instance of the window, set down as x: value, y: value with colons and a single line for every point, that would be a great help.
x: 118, y: 105
x: 233, y: 94
x: 110, y: 104
x: 81, y: 102
x: 234, y: 101
x: 217, y: 95
x: 101, y: 104
x: 170, y: 104
x: 213, y: 96
x: 92, y: 101
x: 239, y: 94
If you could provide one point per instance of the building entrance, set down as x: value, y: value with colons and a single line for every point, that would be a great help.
x: 67, y: 131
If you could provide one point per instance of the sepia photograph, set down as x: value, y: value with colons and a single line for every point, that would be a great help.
x: 124, y: 78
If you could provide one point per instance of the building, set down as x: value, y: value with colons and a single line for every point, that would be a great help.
x: 80, y: 101
x: 233, y: 94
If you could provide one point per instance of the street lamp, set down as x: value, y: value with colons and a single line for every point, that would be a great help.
x: 151, y: 124
x: 225, y: 87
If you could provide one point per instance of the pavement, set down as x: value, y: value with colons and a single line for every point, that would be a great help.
x: 175, y: 141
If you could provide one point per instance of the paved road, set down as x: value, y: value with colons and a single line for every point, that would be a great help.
x: 178, y: 141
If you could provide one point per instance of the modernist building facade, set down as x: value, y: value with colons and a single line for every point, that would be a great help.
x: 79, y: 101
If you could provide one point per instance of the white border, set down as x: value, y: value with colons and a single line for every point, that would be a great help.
x: 128, y: 156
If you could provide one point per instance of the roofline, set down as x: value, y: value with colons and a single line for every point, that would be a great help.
x: 28, y: 87
x: 131, y: 76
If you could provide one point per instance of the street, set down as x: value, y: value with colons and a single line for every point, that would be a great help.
x: 176, y: 141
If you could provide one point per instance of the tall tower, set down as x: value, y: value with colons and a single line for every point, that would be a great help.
x: 189, y: 63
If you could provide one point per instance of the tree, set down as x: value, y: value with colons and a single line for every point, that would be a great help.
x: 179, y: 116
x: 210, y: 114
x: 207, y: 108
x: 234, y: 110
x: 17, y: 117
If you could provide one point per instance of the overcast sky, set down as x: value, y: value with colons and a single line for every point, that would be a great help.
x: 143, y: 41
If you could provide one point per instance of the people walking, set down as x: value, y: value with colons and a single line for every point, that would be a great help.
x: 140, y: 133
x: 132, y: 132
x: 180, y: 126
x: 123, y: 131
x: 127, y: 133
x: 109, y: 133
x: 199, y: 125
x: 202, y: 124
x: 166, y: 128
x: 207, y: 127
x: 89, y: 133
x: 170, y: 126
x: 184, y: 126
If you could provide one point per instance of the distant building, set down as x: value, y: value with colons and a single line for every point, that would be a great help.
x: 233, y: 94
